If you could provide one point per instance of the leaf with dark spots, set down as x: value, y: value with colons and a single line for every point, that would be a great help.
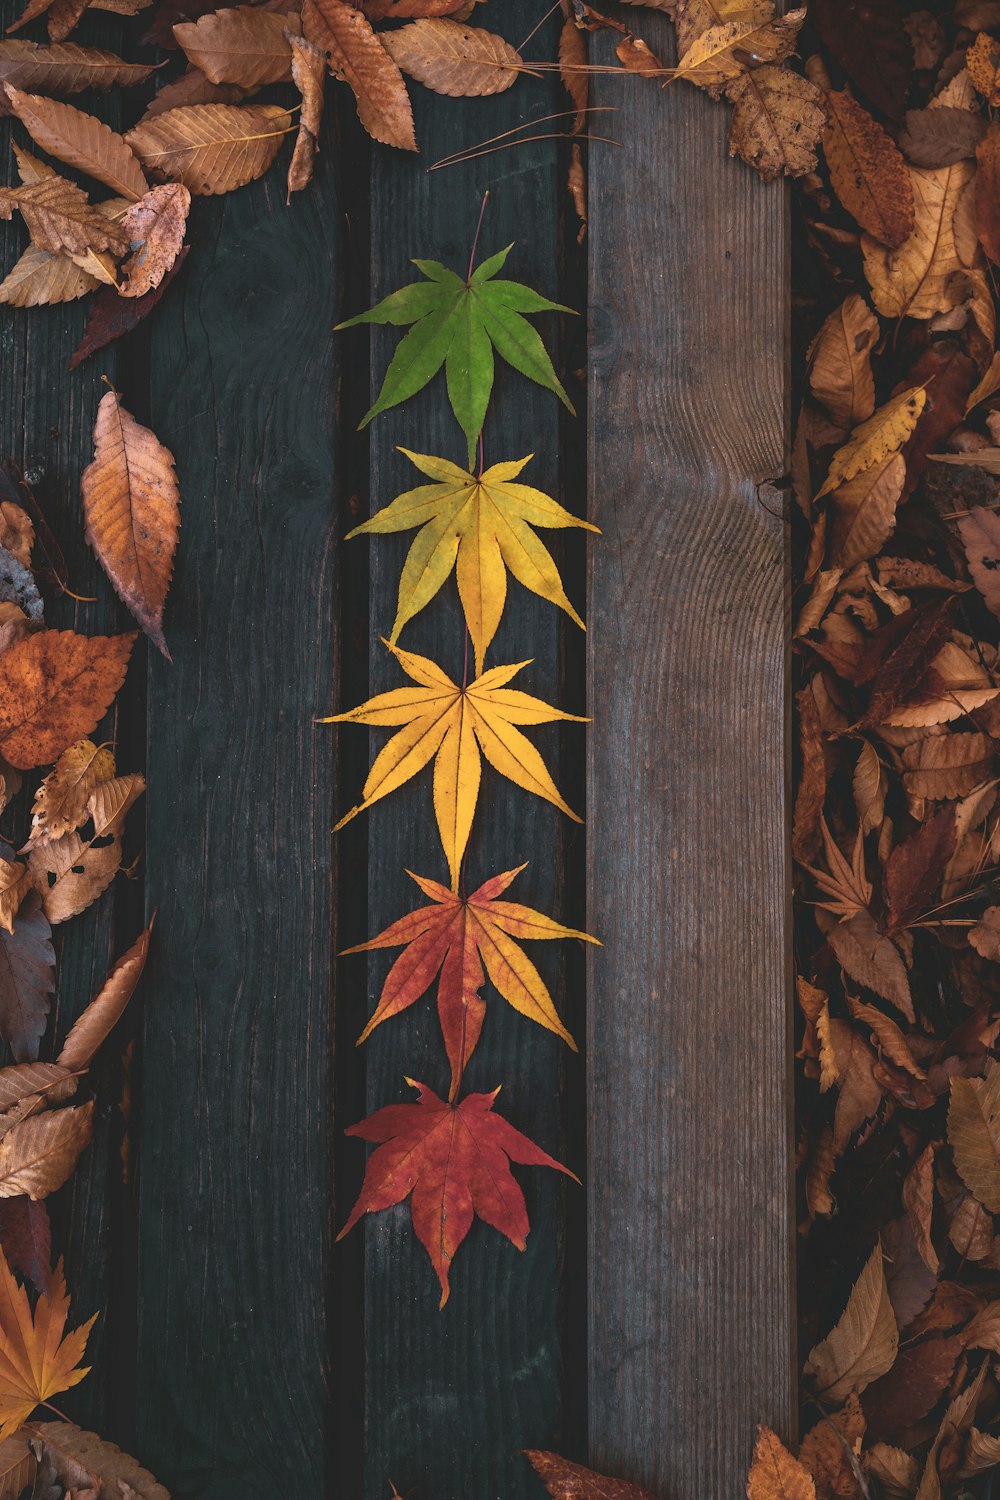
x: 112, y: 316
x: 914, y: 868
x: 26, y: 1239
x: 27, y: 979
x: 869, y: 41
x: 18, y: 586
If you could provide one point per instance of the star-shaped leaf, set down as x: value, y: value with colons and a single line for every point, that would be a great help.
x: 452, y: 939
x: 36, y: 1361
x: 440, y: 721
x: 480, y: 526
x: 455, y: 1160
x: 459, y: 323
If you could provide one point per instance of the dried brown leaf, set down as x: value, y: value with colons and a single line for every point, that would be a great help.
x: 244, y: 45
x: 80, y: 140
x: 155, y: 228
x: 211, y: 148
x: 454, y: 59
x: 356, y: 55
x: 309, y: 75
x: 974, y: 1134
x: 777, y: 119
x: 38, y: 1154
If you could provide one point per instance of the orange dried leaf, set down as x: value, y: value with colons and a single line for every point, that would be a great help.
x: 80, y: 140
x: 356, y: 55
x: 211, y: 148
x: 867, y: 170
x: 864, y: 1343
x: 775, y: 1474
x: 54, y: 688
x: 37, y: 1358
x: 155, y: 229
x: 246, y: 45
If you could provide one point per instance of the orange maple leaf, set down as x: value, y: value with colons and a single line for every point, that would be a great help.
x: 453, y: 939
x: 36, y: 1360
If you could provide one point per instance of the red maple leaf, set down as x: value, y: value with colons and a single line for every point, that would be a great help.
x: 454, y: 937
x: 455, y: 1160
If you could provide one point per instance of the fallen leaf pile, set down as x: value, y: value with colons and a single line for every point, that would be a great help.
x: 897, y: 813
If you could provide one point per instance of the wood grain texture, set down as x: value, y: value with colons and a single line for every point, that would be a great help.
x: 46, y: 425
x: 235, y: 1200
x: 452, y: 1396
x: 689, y: 1161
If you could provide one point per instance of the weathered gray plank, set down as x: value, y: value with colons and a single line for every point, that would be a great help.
x: 689, y: 1163
x: 235, y: 1201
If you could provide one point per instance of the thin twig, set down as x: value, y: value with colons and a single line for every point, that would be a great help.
x: 555, y: 135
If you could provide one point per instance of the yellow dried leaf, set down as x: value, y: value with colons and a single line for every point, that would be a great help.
x: 777, y: 119
x: 882, y: 434
x: 863, y: 1344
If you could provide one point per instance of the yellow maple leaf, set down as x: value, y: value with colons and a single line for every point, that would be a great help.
x: 440, y: 721
x: 480, y: 526
x: 36, y: 1361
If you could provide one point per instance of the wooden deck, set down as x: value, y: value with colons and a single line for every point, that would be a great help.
x: 650, y: 1322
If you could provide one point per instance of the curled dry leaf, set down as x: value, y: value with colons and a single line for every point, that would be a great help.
x: 356, y: 55
x: 980, y: 533
x: 839, y: 363
x: 867, y: 170
x: 66, y: 68
x: 12, y: 891
x: 80, y: 140
x: 245, y: 45
x: 59, y: 217
x: 716, y: 57
x: 211, y: 148
x: 72, y: 871
x: 38, y: 1154
x: 777, y: 119
x: 568, y: 1481
x: 131, y: 502
x: 80, y: 1462
x: 155, y: 229
x: 919, y: 279
x: 39, y: 1358
x: 863, y: 1344
x: 54, y: 687
x: 454, y: 59
x: 775, y: 1474
x: 102, y: 1014
x: 62, y: 798
x: 309, y: 75
x: 572, y: 70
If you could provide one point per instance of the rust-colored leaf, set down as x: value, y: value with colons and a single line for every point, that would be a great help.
x: 775, y: 1474
x: 356, y: 55
x: 54, y: 688
x: 38, y: 1154
x: 568, y: 1481
x: 211, y: 148
x: 245, y: 45
x: 867, y: 170
x: 155, y: 230
x: 112, y: 316
x: 39, y: 1359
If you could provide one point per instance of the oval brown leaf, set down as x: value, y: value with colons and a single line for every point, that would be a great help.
x: 840, y: 369
x: 24, y: 1079
x: 454, y: 59
x: 66, y: 68
x: 155, y: 229
x: 974, y: 1135
x: 211, y: 148
x: 244, y: 45
x: 863, y: 1345
x: 41, y: 279
x: 54, y: 688
x: 569, y: 1481
x: 72, y: 872
x: 131, y: 506
x: 38, y: 1154
x: 80, y: 140
x: 26, y: 1242
x: 104, y: 1011
x: 358, y: 57
x: 867, y: 169
x: 190, y: 88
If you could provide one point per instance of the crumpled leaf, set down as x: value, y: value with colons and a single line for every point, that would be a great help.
x: 863, y: 1344
x: 459, y: 324
x: 438, y: 720
x: 777, y: 119
x: 131, y: 506
x: 451, y: 940
x: 309, y: 74
x: 71, y: 872
x: 356, y: 55
x: 980, y: 533
x: 37, y: 1358
x: 246, y: 45
x: 80, y: 140
x: 155, y: 229
x: 455, y: 1161
x: 103, y: 1013
x: 716, y: 56
x: 568, y: 1481
x: 59, y: 217
x: 68, y: 1455
x: 211, y: 148
x: 61, y: 800
x: 54, y: 688
x: 479, y: 526
x: 919, y: 279
x: 452, y: 58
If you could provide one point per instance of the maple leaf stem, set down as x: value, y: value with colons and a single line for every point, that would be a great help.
x: 475, y: 238
x: 60, y: 1414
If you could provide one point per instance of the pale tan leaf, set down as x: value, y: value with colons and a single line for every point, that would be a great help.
x: 61, y: 800
x: 918, y: 1200
x: 863, y: 512
x: 131, y: 506
x: 39, y: 1153
x: 40, y: 278
x: 985, y: 936
x: 974, y: 1134
x: 190, y: 88
x: 454, y: 59
x: 863, y: 1344
x: 211, y: 148
x: 59, y: 218
x: 839, y: 362
x: 716, y: 56
x: 980, y: 533
x: 71, y: 872
x: 897, y: 1472
x: 947, y: 765
x: 111, y: 800
x: 245, y: 45
x: 80, y: 140
x: 356, y: 56
x: 918, y: 279
x: 155, y: 229
x: 777, y: 119
x: 102, y: 1014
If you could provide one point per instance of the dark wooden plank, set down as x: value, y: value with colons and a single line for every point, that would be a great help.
x: 48, y: 415
x: 235, y: 1183
x: 452, y: 1396
x: 689, y: 1170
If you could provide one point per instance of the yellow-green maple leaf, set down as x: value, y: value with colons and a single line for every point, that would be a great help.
x: 482, y: 527
x: 440, y: 721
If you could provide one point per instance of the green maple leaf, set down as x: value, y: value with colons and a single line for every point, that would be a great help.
x: 459, y: 324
